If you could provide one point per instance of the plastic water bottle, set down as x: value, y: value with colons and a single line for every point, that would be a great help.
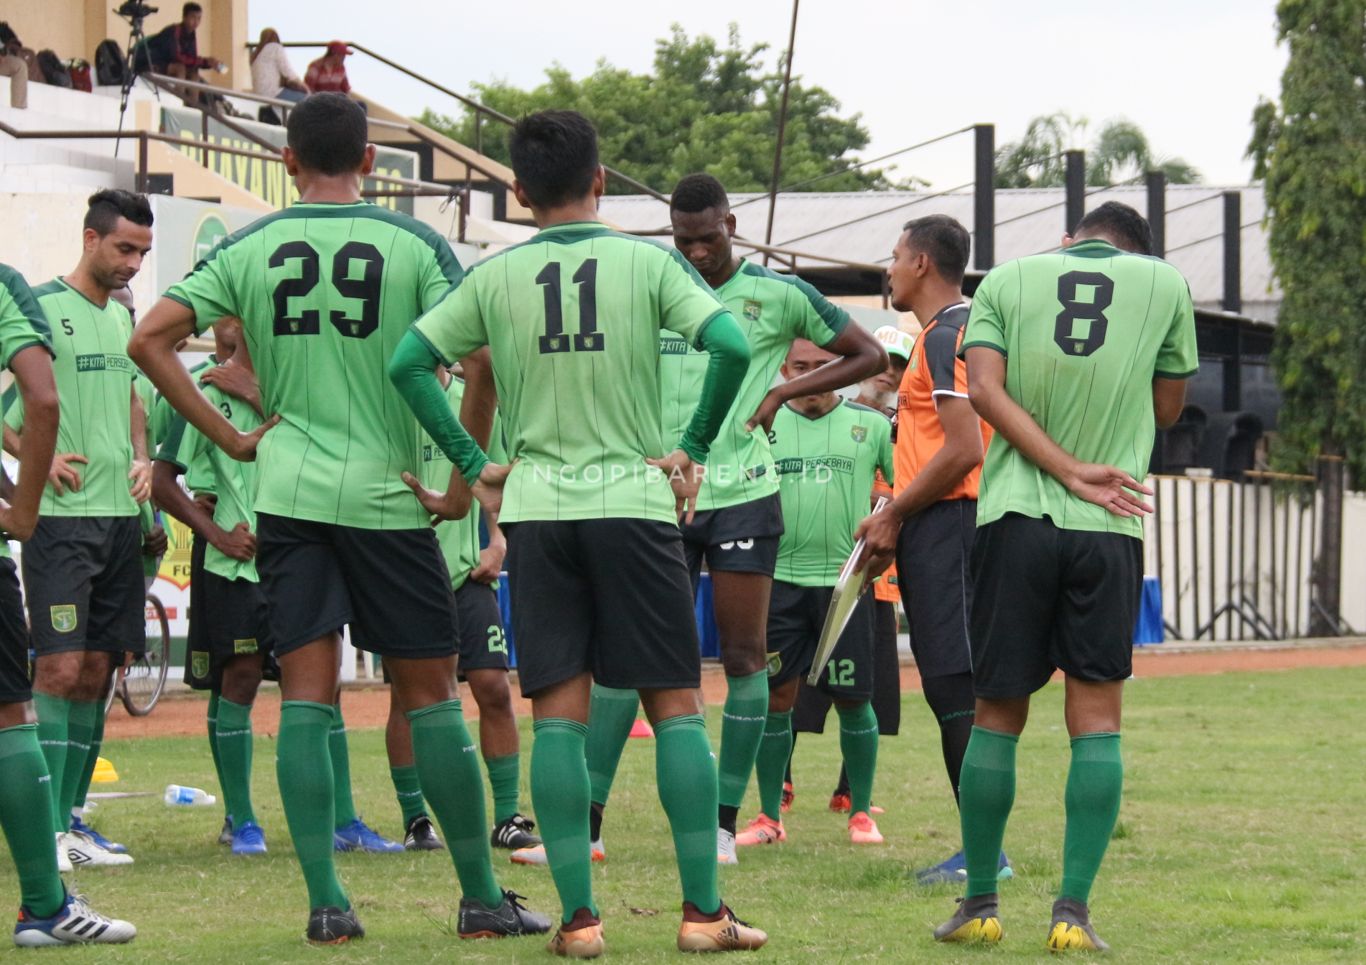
x: 178, y: 796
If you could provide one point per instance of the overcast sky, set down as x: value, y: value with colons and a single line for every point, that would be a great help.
x: 1187, y: 71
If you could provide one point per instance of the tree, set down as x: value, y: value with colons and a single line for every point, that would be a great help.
x: 705, y: 107
x: 1120, y: 152
x: 1311, y: 153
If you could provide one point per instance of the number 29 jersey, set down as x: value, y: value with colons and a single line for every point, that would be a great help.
x: 1084, y: 331
x: 325, y: 292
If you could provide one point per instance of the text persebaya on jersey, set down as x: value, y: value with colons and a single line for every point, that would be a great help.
x: 103, y: 363
x: 815, y: 464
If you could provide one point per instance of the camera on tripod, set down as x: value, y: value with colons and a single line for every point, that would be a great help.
x: 135, y: 10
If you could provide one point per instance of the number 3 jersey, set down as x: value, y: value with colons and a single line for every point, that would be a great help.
x: 1084, y: 330
x: 325, y: 292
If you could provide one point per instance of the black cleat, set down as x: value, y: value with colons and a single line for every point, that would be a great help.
x: 515, y: 834
x: 421, y: 836
x: 478, y: 920
x: 332, y: 926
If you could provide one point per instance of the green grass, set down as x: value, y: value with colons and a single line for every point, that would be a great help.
x: 1240, y: 840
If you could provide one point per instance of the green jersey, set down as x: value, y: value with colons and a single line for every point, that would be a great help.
x: 573, y: 319
x: 772, y: 309
x: 325, y: 292
x: 236, y: 481
x: 94, y: 385
x: 22, y: 325
x: 825, y: 472
x: 1084, y: 331
x: 147, y: 512
x: 459, y: 538
x: 199, y: 474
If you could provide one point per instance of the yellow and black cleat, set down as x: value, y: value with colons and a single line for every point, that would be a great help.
x: 1071, y: 930
x: 975, y: 921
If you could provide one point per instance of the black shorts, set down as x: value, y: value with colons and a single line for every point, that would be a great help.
x: 1051, y: 598
x: 389, y: 585
x: 933, y: 563
x: 192, y: 641
x: 232, y: 621
x: 735, y: 539
x: 813, y: 704
x: 83, y: 584
x: 606, y: 596
x: 796, y: 615
x: 14, y: 678
x: 483, y: 644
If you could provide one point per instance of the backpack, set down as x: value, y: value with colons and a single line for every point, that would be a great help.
x: 54, y: 71
x: 79, y: 72
x: 110, y: 68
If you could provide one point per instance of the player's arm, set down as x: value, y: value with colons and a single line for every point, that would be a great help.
x: 32, y: 368
x: 479, y: 404
x: 11, y: 442
x: 236, y: 381
x: 1169, y: 398
x: 491, y: 556
x: 1106, y: 486
x: 152, y: 348
x: 140, y: 472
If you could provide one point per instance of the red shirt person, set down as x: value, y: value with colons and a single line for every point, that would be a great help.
x: 328, y: 72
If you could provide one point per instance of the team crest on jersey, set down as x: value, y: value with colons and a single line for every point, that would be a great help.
x: 199, y: 663
x: 858, y: 433
x: 63, y: 617
x: 775, y: 664
x: 243, y: 647
x: 752, y: 309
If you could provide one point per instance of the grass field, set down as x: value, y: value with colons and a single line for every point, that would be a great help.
x: 1240, y: 839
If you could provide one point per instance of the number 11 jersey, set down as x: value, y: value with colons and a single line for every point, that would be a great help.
x: 325, y: 292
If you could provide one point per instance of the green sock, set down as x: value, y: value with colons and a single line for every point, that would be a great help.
x: 610, y: 718
x: 448, y: 768
x: 858, y: 745
x: 96, y: 744
x: 986, y: 793
x: 686, y: 775
x: 505, y: 773
x: 234, y: 751
x: 742, y: 728
x: 26, y: 816
x: 345, y: 805
x: 559, y: 792
x: 304, y: 771
x: 771, y: 765
x: 1094, y: 783
x: 408, y: 790
x: 211, y: 721
x: 80, y: 729
x: 54, y: 714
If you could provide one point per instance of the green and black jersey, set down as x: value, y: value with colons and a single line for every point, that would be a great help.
x: 325, y: 292
x: 22, y: 325
x: 1084, y: 331
x: 772, y: 309
x: 94, y: 384
x: 199, y: 475
x: 573, y: 320
x: 826, y: 468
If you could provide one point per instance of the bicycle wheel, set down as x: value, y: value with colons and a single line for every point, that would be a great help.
x: 145, y: 677
x: 115, y: 689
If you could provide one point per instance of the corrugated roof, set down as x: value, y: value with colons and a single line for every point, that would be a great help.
x: 1028, y: 220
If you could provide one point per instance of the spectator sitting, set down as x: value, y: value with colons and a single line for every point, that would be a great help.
x: 13, y: 66
x: 328, y: 72
x: 175, y: 51
x: 272, y: 76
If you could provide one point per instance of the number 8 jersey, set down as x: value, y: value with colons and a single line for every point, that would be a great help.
x: 1084, y: 330
x: 325, y: 292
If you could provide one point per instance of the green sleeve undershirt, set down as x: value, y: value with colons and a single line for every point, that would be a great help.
x: 724, y: 340
x: 413, y: 372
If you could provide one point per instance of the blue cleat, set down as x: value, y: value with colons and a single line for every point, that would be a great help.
x: 357, y: 836
x: 954, y: 870
x: 249, y: 839
x: 112, y: 847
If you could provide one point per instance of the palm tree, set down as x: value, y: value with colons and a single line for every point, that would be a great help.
x: 1120, y: 153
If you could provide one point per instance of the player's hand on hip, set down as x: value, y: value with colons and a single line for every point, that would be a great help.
x: 454, y: 503
x: 880, y: 530
x: 490, y: 561
x: 140, y: 480
x: 488, y: 488
x: 237, y: 381
x: 685, y: 479
x: 154, y: 541
x: 64, y: 476
x: 1110, y: 488
x: 243, y: 448
x: 238, y: 543
x: 763, y: 416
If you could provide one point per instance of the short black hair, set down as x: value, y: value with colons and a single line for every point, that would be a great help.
x: 1122, y: 224
x: 698, y: 192
x: 554, y: 156
x: 190, y: 8
x: 327, y: 133
x: 108, y: 206
x: 945, y: 241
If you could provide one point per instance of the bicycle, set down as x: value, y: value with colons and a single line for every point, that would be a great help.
x: 140, y: 681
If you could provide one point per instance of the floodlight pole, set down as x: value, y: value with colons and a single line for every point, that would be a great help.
x: 782, y: 130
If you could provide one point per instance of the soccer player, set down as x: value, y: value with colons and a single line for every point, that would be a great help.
x: 599, y: 584
x: 827, y: 452
x: 82, y: 568
x: 48, y: 915
x: 928, y: 526
x: 323, y: 288
x: 739, y: 518
x: 1075, y: 357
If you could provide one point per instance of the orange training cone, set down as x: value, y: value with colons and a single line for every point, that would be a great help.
x: 641, y: 728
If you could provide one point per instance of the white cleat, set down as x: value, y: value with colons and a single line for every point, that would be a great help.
x: 725, y: 847
x: 63, y: 862
x: 85, y: 853
x: 75, y: 923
